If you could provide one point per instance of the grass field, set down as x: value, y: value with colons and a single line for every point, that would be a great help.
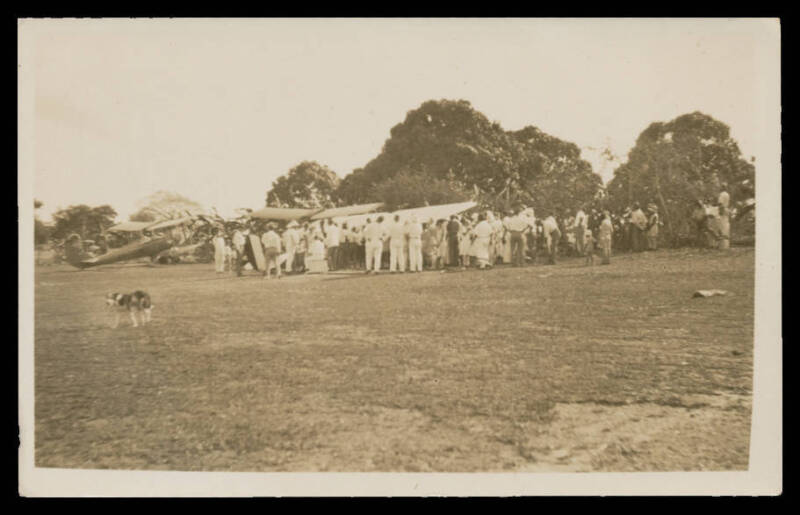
x: 545, y: 368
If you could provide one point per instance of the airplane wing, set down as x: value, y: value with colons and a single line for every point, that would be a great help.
x: 129, y: 227
x: 339, y: 212
x: 435, y: 212
x: 423, y: 214
x: 166, y: 224
x: 282, y: 213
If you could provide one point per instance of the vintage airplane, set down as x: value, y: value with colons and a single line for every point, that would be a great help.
x: 168, y: 240
x: 161, y: 241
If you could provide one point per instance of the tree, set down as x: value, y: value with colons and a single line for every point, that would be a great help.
x: 446, y: 140
x: 307, y: 185
x: 676, y: 163
x: 164, y: 204
x: 87, y: 222
x: 143, y: 215
x: 454, y: 146
x: 408, y: 190
x: 551, y: 175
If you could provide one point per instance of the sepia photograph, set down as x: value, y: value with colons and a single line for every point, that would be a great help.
x: 399, y: 256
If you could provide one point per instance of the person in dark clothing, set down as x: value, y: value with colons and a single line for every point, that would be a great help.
x: 453, y: 230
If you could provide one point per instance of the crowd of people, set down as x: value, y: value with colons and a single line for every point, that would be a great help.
x: 480, y: 239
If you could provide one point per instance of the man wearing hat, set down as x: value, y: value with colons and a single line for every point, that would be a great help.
x: 652, y: 227
x: 272, y: 249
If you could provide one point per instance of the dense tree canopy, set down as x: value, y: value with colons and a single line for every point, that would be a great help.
x: 415, y: 189
x: 458, y: 149
x: 552, y: 176
x: 307, y: 185
x: 87, y: 222
x: 676, y: 163
x: 164, y: 204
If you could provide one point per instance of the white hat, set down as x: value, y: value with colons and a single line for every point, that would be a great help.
x: 293, y: 223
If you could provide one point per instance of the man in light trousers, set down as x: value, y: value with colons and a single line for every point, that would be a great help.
x: 373, y: 241
x: 414, y: 245
x: 397, y: 235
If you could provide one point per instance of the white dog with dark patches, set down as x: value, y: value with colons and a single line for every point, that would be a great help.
x: 136, y: 302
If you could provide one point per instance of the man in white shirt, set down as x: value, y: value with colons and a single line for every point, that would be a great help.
x: 580, y: 224
x: 272, y: 249
x: 373, y: 242
x: 552, y: 236
x: 724, y: 199
x: 516, y: 226
x: 397, y: 236
x: 290, y: 240
x: 638, y: 226
x: 332, y: 237
x: 414, y: 233
x: 530, y: 233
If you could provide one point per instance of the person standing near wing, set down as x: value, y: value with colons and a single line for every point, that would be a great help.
x: 239, y: 241
x: 397, y: 236
x: 219, y: 251
x: 272, y: 249
x: 453, y: 231
x: 332, y: 241
x: 290, y: 241
x: 373, y: 242
x: 552, y: 236
x: 414, y: 233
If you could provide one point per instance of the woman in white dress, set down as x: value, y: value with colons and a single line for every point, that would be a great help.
x: 483, y: 238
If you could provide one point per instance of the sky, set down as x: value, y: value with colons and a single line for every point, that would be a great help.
x: 217, y: 109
